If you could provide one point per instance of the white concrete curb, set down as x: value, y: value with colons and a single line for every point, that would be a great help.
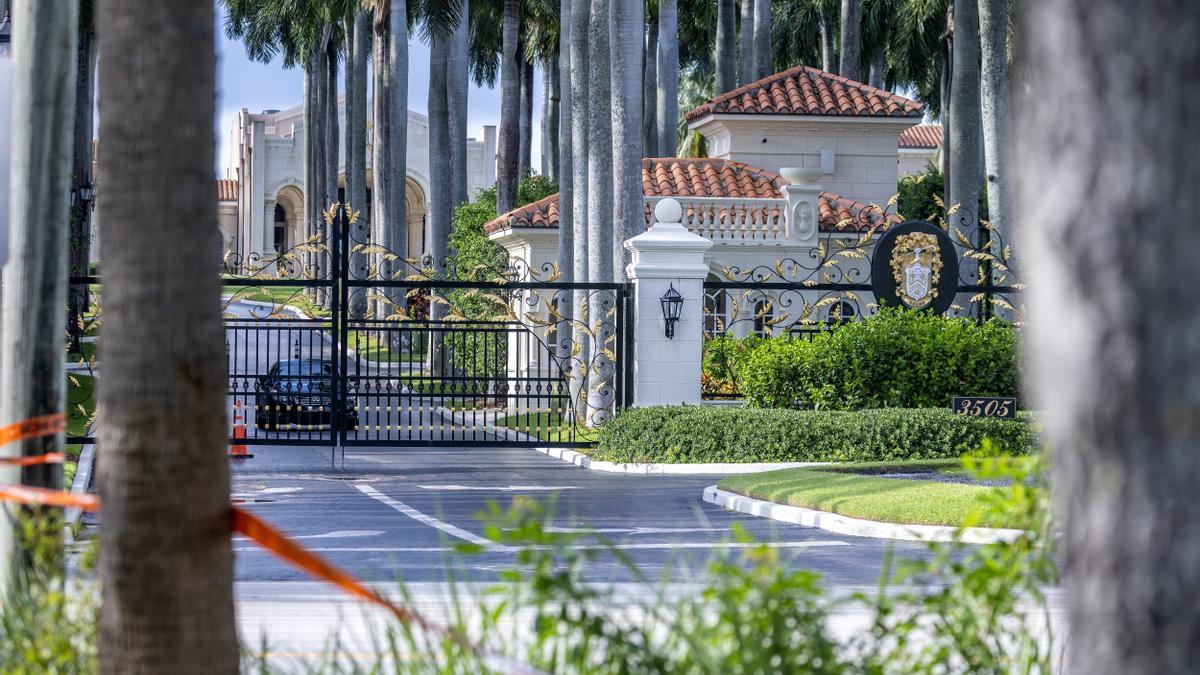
x: 855, y: 527
x: 727, y: 468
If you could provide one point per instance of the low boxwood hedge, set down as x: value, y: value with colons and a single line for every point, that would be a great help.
x: 895, y: 359
x: 697, y: 434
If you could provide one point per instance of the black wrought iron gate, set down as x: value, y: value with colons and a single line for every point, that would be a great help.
x: 341, y: 341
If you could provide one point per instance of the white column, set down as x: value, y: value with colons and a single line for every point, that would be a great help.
x: 803, y: 208
x: 667, y: 371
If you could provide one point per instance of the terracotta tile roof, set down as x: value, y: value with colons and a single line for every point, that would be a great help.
x: 227, y: 190
x: 675, y: 177
x: 922, y: 136
x: 808, y: 91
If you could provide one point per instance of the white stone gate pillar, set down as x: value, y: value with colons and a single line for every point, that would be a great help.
x: 667, y: 371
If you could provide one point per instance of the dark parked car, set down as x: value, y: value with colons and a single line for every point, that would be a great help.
x: 299, y: 391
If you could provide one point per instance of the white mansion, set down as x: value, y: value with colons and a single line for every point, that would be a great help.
x: 855, y: 138
x: 261, y: 196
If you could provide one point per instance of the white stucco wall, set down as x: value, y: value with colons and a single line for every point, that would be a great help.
x: 267, y: 156
x: 916, y: 160
x: 864, y: 149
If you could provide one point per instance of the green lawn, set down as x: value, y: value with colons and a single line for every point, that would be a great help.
x: 81, y: 405
x: 295, y: 296
x: 86, y: 356
x: 547, y: 427
x: 371, y: 348
x: 851, y: 490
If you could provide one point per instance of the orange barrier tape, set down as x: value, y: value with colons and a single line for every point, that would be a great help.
x: 33, y: 427
x: 35, y: 496
x: 48, y: 458
x: 275, y: 541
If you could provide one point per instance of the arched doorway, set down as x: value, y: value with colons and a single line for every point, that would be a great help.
x: 418, y: 231
x: 288, y: 226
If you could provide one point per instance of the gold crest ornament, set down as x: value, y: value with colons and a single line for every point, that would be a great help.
x: 916, y: 267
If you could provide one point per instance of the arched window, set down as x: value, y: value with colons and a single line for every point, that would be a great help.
x: 716, y: 311
x: 764, y: 311
x: 840, y: 312
x: 280, y: 228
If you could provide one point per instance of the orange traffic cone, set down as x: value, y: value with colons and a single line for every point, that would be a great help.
x: 238, y: 450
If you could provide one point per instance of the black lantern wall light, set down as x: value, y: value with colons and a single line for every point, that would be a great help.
x: 672, y: 306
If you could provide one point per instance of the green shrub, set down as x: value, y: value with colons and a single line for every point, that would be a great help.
x: 697, y: 434
x: 723, y: 359
x: 895, y: 359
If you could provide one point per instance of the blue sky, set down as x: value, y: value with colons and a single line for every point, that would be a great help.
x: 242, y: 83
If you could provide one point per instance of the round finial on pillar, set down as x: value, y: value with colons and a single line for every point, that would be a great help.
x: 668, y: 211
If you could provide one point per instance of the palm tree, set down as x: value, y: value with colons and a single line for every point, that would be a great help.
x: 797, y: 34
x: 508, y: 160
x: 1116, y: 392
x: 396, y: 220
x: 993, y: 31
x: 667, y: 115
x: 34, y: 293
x: 459, y: 92
x: 580, y: 11
x: 356, y: 143
x: 964, y: 132
x: 81, y: 167
x: 828, y: 32
x: 746, y: 43
x: 650, y: 90
x: 726, y: 51
x: 440, y: 206
x: 164, y: 372
x: 850, y: 64
x: 565, y: 171
x: 600, y: 165
x: 626, y: 26
x: 762, y: 39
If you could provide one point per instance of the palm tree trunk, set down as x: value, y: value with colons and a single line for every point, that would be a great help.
x: 650, y: 91
x: 762, y: 39
x: 746, y: 68
x: 332, y: 141
x: 382, y: 233
x: 356, y: 173
x: 397, y: 148
x: 580, y: 18
x: 726, y: 53
x: 81, y: 173
x: 526, y: 116
x: 32, y: 376
x: 552, y: 137
x: 440, y: 206
x: 166, y: 560
x: 878, y: 73
x: 309, y: 118
x: 828, y: 44
x: 600, y: 192
x: 993, y: 29
x: 349, y: 87
x: 626, y: 36
x: 850, y: 65
x: 667, y: 116
x: 1118, y: 394
x: 508, y: 163
x: 965, y: 115
x: 459, y: 92
x: 320, y: 186
x: 544, y: 124
x: 566, y: 194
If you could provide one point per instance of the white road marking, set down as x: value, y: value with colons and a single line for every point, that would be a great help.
x: 280, y: 490
x: 426, y: 519
x: 633, y: 530
x: 621, y: 547
x: 336, y: 534
x: 497, y: 488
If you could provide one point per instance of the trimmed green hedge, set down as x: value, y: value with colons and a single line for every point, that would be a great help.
x: 697, y: 434
x: 895, y: 359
